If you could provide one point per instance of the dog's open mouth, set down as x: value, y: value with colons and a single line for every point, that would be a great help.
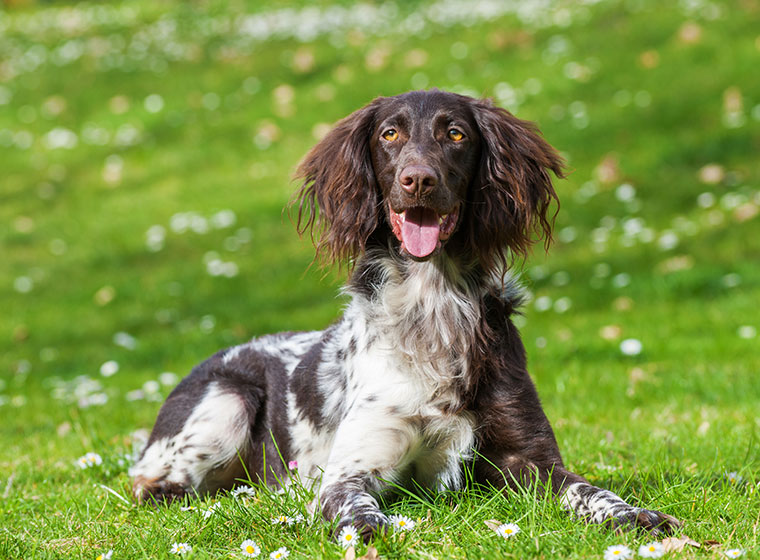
x: 421, y: 230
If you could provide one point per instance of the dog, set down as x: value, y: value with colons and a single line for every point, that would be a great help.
x: 429, y: 197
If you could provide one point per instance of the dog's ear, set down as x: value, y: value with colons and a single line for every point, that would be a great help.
x: 513, y: 191
x: 338, y: 201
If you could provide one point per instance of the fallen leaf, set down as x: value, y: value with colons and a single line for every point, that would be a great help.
x: 690, y: 33
x: 350, y: 554
x: 746, y: 212
x: 732, y: 100
x: 610, y: 332
x: 64, y: 429
x: 493, y: 524
x: 677, y: 544
x: 712, y: 174
x: 675, y: 264
x: 622, y: 303
x: 608, y: 170
x: 649, y: 59
x: 371, y: 554
x: 703, y: 428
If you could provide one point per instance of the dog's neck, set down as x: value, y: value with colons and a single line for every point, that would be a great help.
x: 427, y: 311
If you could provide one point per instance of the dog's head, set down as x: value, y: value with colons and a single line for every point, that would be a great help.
x: 434, y: 171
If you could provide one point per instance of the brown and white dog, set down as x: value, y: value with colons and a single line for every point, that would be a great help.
x: 429, y: 196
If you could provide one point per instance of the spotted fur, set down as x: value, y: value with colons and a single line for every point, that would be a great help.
x: 425, y: 371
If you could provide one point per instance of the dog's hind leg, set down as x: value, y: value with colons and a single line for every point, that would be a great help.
x: 200, y: 441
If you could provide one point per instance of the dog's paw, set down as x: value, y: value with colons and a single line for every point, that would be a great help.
x: 655, y: 522
x: 366, y: 524
x: 153, y: 491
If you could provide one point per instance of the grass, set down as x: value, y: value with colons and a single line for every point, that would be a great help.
x: 659, y: 97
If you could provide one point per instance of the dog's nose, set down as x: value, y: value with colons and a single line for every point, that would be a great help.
x: 418, y: 179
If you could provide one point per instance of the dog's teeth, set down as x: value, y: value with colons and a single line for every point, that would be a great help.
x: 441, y: 218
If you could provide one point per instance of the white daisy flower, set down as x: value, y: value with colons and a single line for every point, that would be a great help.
x: 280, y: 553
x: 297, y: 518
x: 89, y: 460
x: 105, y: 555
x: 250, y: 548
x: 631, y: 347
x: 109, y: 368
x: 240, y: 491
x: 508, y: 530
x: 734, y: 553
x: 348, y: 536
x: 181, y: 548
x: 401, y: 523
x: 210, y: 511
x: 734, y: 477
x: 288, y: 520
x: 618, y: 552
x: 188, y: 508
x: 651, y: 550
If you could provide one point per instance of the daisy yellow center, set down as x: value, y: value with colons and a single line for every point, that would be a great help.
x: 349, y: 537
x: 508, y: 531
x: 249, y: 549
x: 402, y: 523
x: 100, y: 557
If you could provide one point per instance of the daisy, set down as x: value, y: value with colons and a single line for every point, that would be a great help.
x: 297, y: 518
x: 89, y: 460
x: 617, y: 552
x: 105, y: 555
x: 188, y: 508
x: 280, y: 553
x: 348, y: 536
x: 282, y: 520
x: 401, y: 522
x: 734, y: 553
x: 631, y: 347
x: 250, y: 548
x: 508, y: 530
x: 651, y: 550
x: 181, y: 548
x: 734, y: 477
x: 210, y: 511
x: 240, y: 490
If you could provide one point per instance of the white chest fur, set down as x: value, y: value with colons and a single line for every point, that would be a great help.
x: 406, y: 415
x: 392, y: 406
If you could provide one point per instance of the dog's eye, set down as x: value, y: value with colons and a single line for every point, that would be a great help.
x: 455, y: 135
x: 390, y: 135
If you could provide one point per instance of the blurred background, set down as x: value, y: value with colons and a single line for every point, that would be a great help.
x: 146, y: 155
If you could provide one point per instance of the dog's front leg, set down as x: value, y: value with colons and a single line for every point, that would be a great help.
x: 507, y: 466
x: 602, y: 506
x: 368, y: 450
x: 518, y: 448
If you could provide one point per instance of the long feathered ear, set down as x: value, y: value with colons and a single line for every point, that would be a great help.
x: 337, y: 202
x: 511, y: 196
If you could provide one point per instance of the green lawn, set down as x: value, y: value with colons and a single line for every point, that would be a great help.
x: 146, y: 150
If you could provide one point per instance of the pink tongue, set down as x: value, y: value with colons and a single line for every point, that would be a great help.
x: 420, y: 231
